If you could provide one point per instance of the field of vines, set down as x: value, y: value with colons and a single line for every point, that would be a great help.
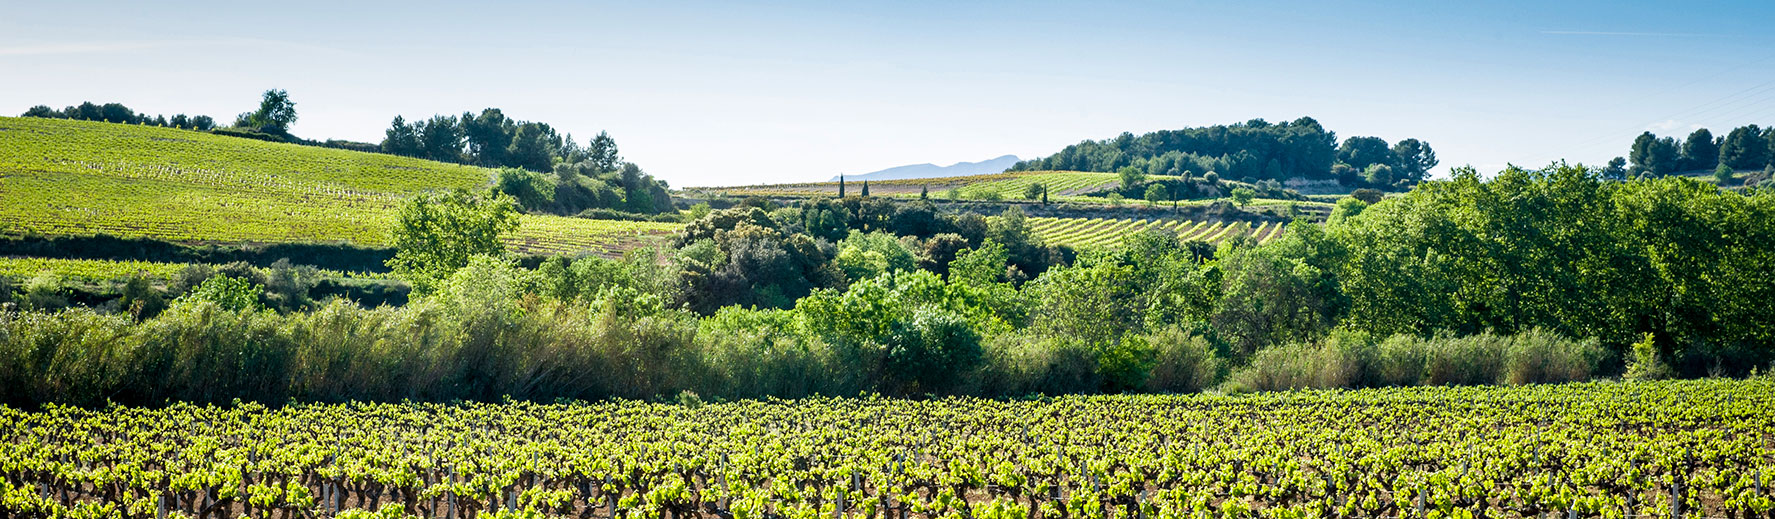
x: 1699, y: 448
x: 102, y: 271
x: 1109, y: 232
x: 62, y: 177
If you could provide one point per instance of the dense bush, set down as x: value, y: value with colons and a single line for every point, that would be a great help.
x: 1352, y: 359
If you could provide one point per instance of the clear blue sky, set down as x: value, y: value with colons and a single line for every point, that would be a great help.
x: 733, y: 93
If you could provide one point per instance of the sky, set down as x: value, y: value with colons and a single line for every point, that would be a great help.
x: 729, y: 93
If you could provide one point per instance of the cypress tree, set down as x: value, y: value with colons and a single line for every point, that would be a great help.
x: 865, y: 188
x: 1044, y: 194
x: 841, y: 186
x: 924, y: 193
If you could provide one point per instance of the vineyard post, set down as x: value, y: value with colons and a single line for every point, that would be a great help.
x: 1676, y: 497
x: 838, y: 507
x: 450, y: 493
x: 160, y: 506
x: 1421, y: 502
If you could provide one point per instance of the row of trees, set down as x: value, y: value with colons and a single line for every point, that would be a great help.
x: 564, y: 178
x: 118, y: 113
x: 1744, y: 148
x: 1251, y: 151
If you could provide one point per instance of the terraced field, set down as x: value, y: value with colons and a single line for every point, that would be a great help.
x: 1109, y: 232
x: 60, y: 177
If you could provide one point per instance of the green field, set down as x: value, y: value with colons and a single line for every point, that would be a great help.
x: 100, y: 271
x: 1109, y: 232
x: 61, y: 177
x: 1610, y: 450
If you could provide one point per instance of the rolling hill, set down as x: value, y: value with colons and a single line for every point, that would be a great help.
x: 63, y: 177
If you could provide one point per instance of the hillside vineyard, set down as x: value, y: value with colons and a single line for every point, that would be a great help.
x: 1614, y: 450
x: 89, y: 178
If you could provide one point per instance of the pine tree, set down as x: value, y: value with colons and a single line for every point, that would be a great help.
x: 924, y: 193
x: 865, y: 188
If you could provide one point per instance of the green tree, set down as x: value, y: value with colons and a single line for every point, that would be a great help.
x: 532, y: 190
x: 1131, y: 176
x: 1361, y: 152
x: 1700, y: 151
x: 275, y: 114
x: 1722, y: 175
x: 1243, y: 195
x: 604, y: 155
x: 980, y: 266
x: 1378, y: 175
x: 1745, y: 148
x: 1033, y: 190
x: 1617, y: 169
x: 865, y: 191
x: 1156, y: 193
x: 435, y: 234
x: 1415, y: 159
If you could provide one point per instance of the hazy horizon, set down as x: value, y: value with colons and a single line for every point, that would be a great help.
x: 711, y: 94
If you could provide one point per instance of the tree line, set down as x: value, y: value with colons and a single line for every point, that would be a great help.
x: 1746, y: 147
x: 543, y: 168
x: 118, y: 113
x: 1251, y: 152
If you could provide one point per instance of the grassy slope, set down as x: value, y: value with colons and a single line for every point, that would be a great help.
x: 61, y: 177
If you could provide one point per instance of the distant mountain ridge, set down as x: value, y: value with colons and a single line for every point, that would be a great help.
x: 959, y: 169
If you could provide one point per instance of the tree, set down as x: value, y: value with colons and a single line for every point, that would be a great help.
x: 401, y: 139
x: 1415, y: 159
x: 1132, y: 176
x: 1033, y: 190
x: 1745, y: 148
x: 841, y: 186
x: 435, y: 234
x: 1652, y: 155
x: 275, y: 114
x: 1700, y: 151
x: 1044, y: 195
x: 1378, y: 175
x: 603, y: 152
x: 1243, y: 196
x: 1722, y: 175
x: 1156, y: 193
x: 1361, y: 152
x: 488, y: 136
x: 533, y: 147
x: 924, y: 192
x: 1616, y: 170
x: 865, y: 191
x: 440, y: 139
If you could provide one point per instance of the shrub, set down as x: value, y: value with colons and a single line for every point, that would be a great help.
x: 1645, y: 364
x: 230, y: 293
x: 1538, y: 356
x: 43, y: 292
x: 1183, y: 362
